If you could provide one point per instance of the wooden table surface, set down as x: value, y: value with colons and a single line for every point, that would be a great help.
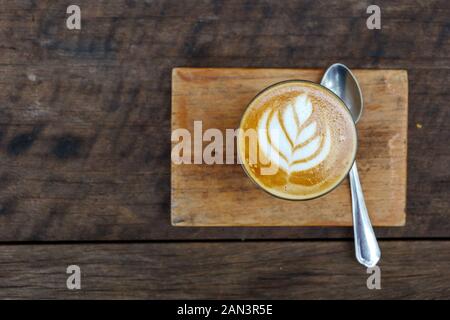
x: 85, y: 149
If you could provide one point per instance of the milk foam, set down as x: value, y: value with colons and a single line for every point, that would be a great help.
x: 291, y: 139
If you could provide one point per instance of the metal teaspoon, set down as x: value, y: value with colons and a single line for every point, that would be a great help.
x: 339, y: 79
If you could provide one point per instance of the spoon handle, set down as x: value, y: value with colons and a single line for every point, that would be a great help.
x: 366, y: 245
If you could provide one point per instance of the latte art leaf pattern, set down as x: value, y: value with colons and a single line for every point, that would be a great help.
x: 291, y: 139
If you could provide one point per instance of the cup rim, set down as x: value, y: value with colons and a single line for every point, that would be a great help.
x: 240, y: 126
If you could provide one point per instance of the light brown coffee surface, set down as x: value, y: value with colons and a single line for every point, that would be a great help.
x: 297, y: 140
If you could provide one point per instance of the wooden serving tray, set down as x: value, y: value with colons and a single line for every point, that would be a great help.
x: 222, y: 195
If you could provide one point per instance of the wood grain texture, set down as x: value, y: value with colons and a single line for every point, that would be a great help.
x: 85, y: 115
x: 222, y: 194
x: 255, y: 270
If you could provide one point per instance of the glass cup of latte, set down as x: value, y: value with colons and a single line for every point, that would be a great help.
x: 297, y: 140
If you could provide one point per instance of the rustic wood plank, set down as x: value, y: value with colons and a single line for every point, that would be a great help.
x: 213, y: 195
x: 257, y: 270
x: 79, y: 110
x: 228, y: 33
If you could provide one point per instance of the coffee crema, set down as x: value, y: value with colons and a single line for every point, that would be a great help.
x: 305, y: 140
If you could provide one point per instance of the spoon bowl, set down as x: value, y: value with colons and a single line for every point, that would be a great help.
x: 339, y: 79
